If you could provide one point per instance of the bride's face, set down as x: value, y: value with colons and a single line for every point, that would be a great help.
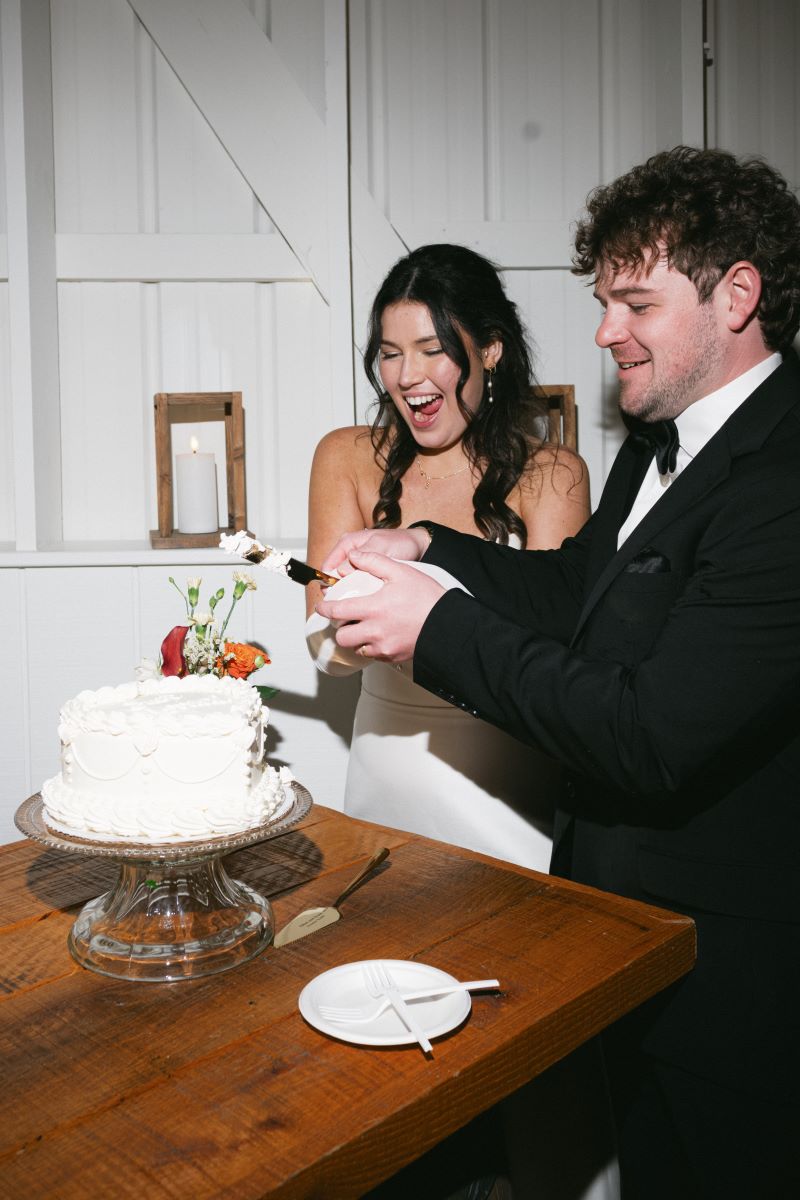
x: 421, y: 379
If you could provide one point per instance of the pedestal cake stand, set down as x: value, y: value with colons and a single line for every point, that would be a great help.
x: 174, y: 912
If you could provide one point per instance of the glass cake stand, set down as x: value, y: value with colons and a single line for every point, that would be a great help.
x: 174, y: 912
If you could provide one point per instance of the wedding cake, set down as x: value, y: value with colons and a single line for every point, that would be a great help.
x: 167, y: 759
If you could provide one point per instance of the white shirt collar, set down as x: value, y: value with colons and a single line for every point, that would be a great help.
x: 701, y: 420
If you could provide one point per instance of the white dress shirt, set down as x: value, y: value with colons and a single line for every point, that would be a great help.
x: 696, y: 425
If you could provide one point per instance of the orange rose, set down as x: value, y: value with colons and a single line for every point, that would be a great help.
x: 244, y: 661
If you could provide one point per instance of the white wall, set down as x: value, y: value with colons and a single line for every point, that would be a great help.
x: 182, y: 216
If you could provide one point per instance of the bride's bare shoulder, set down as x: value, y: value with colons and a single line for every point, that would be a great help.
x: 351, y: 446
x: 557, y: 465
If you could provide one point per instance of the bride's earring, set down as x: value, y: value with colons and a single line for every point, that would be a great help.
x: 489, y: 373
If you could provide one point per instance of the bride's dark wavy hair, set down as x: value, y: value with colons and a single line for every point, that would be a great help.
x: 464, y: 295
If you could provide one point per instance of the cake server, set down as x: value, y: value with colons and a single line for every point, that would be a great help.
x: 313, y: 919
x: 249, y: 548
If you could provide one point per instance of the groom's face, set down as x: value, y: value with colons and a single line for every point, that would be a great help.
x: 668, y: 347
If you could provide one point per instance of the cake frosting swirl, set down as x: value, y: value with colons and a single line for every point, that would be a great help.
x: 164, y: 760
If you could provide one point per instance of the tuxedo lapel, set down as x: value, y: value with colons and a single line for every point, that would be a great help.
x: 621, y: 488
x: 744, y: 432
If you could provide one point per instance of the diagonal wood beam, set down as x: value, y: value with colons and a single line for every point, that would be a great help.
x: 260, y: 116
x: 271, y: 132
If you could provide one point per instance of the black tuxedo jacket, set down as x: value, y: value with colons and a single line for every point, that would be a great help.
x: 665, y: 677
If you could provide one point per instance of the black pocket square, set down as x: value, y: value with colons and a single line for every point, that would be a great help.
x: 648, y: 562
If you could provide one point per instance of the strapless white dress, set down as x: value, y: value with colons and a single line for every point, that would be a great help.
x: 418, y: 763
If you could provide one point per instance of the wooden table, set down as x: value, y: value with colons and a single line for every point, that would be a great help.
x: 218, y: 1088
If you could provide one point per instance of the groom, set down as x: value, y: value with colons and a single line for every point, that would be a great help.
x: 657, y: 656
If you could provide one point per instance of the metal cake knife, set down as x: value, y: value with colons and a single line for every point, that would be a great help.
x: 249, y: 548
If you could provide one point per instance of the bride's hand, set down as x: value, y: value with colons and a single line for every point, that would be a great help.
x: 386, y: 623
x: 408, y: 544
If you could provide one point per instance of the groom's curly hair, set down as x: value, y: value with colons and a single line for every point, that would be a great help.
x: 705, y: 209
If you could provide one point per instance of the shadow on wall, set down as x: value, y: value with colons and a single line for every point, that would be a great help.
x: 334, y: 705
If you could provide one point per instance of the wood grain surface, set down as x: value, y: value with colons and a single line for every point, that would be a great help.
x: 218, y: 1088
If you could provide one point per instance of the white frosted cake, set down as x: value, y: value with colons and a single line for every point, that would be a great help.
x: 164, y: 760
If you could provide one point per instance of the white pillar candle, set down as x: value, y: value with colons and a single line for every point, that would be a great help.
x: 196, y: 491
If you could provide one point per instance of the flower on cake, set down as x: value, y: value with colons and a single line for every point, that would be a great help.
x: 200, y: 647
x: 242, y: 659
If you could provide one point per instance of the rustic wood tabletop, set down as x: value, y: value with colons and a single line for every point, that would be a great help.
x: 217, y: 1087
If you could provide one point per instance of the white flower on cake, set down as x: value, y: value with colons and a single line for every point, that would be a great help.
x: 247, y: 580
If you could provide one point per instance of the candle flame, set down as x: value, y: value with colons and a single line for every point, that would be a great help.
x: 194, y: 445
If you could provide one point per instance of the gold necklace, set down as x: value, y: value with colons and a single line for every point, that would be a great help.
x: 433, y: 478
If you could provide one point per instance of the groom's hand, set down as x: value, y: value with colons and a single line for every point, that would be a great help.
x: 408, y: 544
x: 385, y: 624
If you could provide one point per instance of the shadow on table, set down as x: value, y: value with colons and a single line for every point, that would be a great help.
x: 55, y: 875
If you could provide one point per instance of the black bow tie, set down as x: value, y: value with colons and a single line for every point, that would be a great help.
x: 661, y: 436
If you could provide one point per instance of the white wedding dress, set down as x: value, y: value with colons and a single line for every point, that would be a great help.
x: 420, y: 764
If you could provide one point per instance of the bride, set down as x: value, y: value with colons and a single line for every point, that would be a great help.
x: 451, y: 441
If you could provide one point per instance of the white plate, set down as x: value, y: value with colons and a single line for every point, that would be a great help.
x: 344, y: 987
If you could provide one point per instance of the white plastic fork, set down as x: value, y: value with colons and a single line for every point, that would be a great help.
x: 356, y: 1015
x: 379, y: 983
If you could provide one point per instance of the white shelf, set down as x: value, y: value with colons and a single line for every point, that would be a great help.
x: 124, y: 554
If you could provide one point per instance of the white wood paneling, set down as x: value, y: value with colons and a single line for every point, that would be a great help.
x: 651, y: 80
x: 267, y: 126
x: 254, y: 338
x: 296, y: 29
x: 306, y: 402
x: 548, y: 133
x: 80, y: 634
x: 153, y: 256
x: 16, y: 717
x: 200, y: 188
x: 96, y: 118
x: 3, y: 217
x: 294, y: 162
x: 32, y: 306
x: 755, y: 88
x: 469, y: 111
x: 102, y: 392
x: 7, y: 517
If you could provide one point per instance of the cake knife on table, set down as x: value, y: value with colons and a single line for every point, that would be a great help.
x: 249, y: 548
x: 313, y: 919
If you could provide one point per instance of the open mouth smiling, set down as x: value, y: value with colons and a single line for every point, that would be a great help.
x: 628, y: 364
x: 424, y: 407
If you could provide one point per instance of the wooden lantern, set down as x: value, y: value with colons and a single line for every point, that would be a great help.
x: 181, y: 408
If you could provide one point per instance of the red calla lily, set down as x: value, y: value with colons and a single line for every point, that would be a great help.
x: 172, y: 660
